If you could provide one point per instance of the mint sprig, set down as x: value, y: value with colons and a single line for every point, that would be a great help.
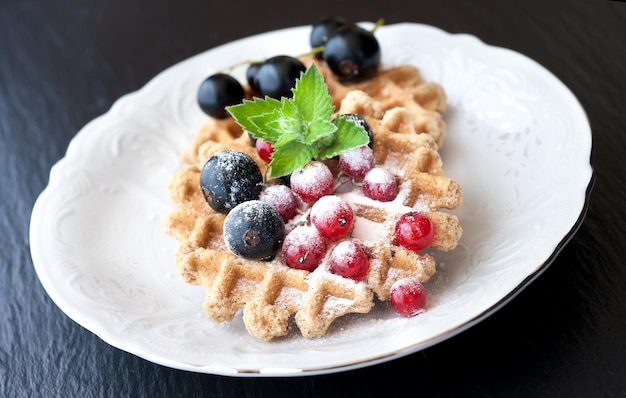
x: 299, y: 128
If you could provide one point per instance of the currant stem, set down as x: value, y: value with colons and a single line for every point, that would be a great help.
x: 265, y: 175
x: 313, y: 51
x: 378, y: 24
x: 342, y: 179
x: 242, y: 63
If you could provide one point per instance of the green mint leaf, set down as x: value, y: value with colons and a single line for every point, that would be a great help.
x: 289, y: 121
x: 299, y: 128
x: 310, y: 95
x: 320, y: 133
x: 290, y: 109
x: 290, y: 157
x: 347, y: 136
x: 248, y: 111
x: 264, y: 126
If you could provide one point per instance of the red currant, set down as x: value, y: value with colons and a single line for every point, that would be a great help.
x: 414, y: 231
x: 407, y: 297
x: 281, y: 198
x: 379, y: 184
x: 264, y: 149
x: 312, y: 181
x: 304, y: 248
x: 349, y: 260
x: 332, y: 216
x: 357, y: 161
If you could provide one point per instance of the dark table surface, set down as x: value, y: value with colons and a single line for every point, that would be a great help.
x: 64, y: 63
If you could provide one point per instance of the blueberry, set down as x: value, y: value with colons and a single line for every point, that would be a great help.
x: 217, y: 92
x: 352, y: 53
x: 229, y: 178
x: 277, y: 76
x: 323, y: 29
x: 254, y: 230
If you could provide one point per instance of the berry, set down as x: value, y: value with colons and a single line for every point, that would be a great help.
x: 349, y: 260
x: 356, y: 162
x: 251, y: 73
x: 285, y: 180
x: 217, y: 92
x: 304, y: 248
x: 229, y: 178
x: 379, y: 184
x: 360, y: 120
x: 323, y: 29
x: 352, y: 53
x: 332, y: 216
x: 264, y: 149
x: 281, y: 198
x: 254, y: 230
x: 407, y: 297
x: 277, y: 76
x: 414, y: 231
x: 312, y: 181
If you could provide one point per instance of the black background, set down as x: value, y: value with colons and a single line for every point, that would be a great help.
x: 64, y: 63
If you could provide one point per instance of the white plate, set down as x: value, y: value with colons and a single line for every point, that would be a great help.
x: 519, y: 144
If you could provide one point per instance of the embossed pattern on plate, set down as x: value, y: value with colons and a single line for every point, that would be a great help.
x: 519, y: 144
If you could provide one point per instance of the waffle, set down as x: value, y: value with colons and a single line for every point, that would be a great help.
x: 404, y: 112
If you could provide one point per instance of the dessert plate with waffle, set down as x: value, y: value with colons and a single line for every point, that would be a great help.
x: 486, y: 143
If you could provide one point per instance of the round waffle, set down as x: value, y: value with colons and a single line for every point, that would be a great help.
x: 404, y: 112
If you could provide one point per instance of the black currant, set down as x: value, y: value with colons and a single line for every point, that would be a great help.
x: 353, y: 54
x: 254, y: 230
x: 217, y: 92
x: 251, y: 73
x: 323, y: 29
x: 286, y: 180
x: 277, y: 76
x: 229, y: 178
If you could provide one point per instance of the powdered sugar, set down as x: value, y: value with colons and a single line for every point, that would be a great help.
x: 370, y: 232
x: 379, y: 175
